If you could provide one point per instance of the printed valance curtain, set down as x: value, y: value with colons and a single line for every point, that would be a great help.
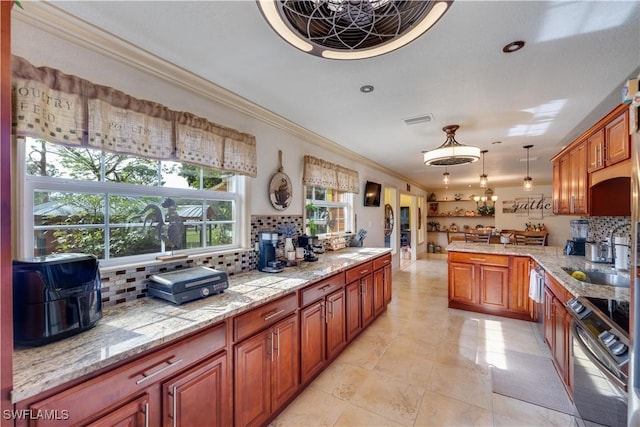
x: 320, y: 173
x: 65, y: 109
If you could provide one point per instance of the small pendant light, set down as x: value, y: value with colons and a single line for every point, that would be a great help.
x: 528, y: 182
x: 483, y: 177
x: 445, y: 177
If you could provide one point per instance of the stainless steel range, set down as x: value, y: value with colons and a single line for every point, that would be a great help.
x: 600, y: 359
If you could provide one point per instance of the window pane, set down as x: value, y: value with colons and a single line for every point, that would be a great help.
x: 218, y: 181
x: 177, y: 175
x: 68, y: 222
x: 130, y: 170
x: 219, y: 234
x: 133, y: 240
x: 83, y: 240
x: 54, y: 208
x: 46, y: 159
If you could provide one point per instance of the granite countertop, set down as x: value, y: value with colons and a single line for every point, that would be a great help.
x: 552, y: 259
x: 128, y: 329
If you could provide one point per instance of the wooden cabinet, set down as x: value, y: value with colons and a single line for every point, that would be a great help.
x: 138, y: 393
x: 618, y: 142
x: 587, y: 161
x: 519, y: 301
x: 322, y: 325
x: 557, y: 322
x: 495, y: 284
x: 570, y: 181
x: 359, y: 299
x: 266, y: 373
x: 610, y: 143
x: 382, y: 283
x: 595, y: 151
x: 197, y: 396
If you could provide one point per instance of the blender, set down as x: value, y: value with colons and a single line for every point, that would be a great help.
x: 579, y: 231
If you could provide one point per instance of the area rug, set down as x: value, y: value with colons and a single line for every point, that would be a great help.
x: 531, y: 379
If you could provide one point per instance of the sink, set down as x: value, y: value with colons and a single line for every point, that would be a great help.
x: 602, y: 278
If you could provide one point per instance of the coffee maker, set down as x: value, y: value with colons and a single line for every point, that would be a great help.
x: 306, y: 242
x: 267, y: 262
x: 579, y: 231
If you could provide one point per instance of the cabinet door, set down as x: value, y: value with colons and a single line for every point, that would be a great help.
x: 286, y: 355
x: 198, y: 397
x: 578, y: 167
x: 378, y: 292
x: 387, y: 284
x: 519, y: 300
x: 354, y: 323
x: 336, y: 322
x: 494, y: 286
x: 252, y: 375
x: 462, y: 283
x: 617, y: 139
x: 548, y: 318
x: 312, y: 340
x: 560, y: 338
x: 595, y: 151
x: 556, y: 187
x: 132, y: 414
x: 368, y: 313
x: 564, y: 183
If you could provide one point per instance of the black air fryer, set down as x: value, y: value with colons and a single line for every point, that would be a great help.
x: 54, y: 297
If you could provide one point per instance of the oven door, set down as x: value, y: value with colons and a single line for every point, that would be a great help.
x: 599, y: 392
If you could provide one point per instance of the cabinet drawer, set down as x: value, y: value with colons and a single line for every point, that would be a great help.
x: 104, y: 392
x: 476, y: 258
x: 382, y: 261
x: 558, y: 290
x: 264, y: 316
x: 360, y: 271
x: 321, y: 289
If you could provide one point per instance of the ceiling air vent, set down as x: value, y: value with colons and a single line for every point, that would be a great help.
x: 419, y: 119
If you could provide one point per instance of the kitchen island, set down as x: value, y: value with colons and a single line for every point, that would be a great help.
x: 552, y: 259
x: 220, y: 324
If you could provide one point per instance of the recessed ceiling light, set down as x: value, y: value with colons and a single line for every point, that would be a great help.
x: 366, y: 89
x: 513, y: 46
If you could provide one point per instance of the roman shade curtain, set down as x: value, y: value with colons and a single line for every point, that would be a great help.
x: 320, y: 173
x: 64, y: 109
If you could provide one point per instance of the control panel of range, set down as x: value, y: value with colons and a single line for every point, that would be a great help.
x: 599, y: 326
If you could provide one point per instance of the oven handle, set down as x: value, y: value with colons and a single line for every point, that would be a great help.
x: 592, y: 357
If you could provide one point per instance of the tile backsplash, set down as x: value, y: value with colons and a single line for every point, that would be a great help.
x: 130, y: 283
x: 600, y: 227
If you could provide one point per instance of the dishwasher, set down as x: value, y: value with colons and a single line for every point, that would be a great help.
x: 599, y: 345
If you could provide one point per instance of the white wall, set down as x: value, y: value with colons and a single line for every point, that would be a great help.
x: 558, y: 225
x: 43, y: 49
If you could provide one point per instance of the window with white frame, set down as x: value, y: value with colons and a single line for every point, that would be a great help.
x: 328, y: 211
x: 121, y: 208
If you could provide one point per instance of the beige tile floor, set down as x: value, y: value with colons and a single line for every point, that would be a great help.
x: 422, y: 364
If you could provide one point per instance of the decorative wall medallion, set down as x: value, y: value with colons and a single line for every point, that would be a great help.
x: 280, y: 188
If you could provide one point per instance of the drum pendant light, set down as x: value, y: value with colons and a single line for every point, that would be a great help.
x: 451, y: 152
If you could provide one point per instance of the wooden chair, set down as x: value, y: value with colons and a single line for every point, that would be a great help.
x: 531, y: 238
x: 477, y: 236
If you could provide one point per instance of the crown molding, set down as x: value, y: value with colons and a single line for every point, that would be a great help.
x: 51, y: 19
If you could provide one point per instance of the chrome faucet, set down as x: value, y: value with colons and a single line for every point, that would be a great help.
x: 611, y: 241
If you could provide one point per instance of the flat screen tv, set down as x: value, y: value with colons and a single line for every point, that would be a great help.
x: 372, y: 191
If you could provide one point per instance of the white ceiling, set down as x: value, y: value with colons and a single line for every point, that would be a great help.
x: 577, y: 56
